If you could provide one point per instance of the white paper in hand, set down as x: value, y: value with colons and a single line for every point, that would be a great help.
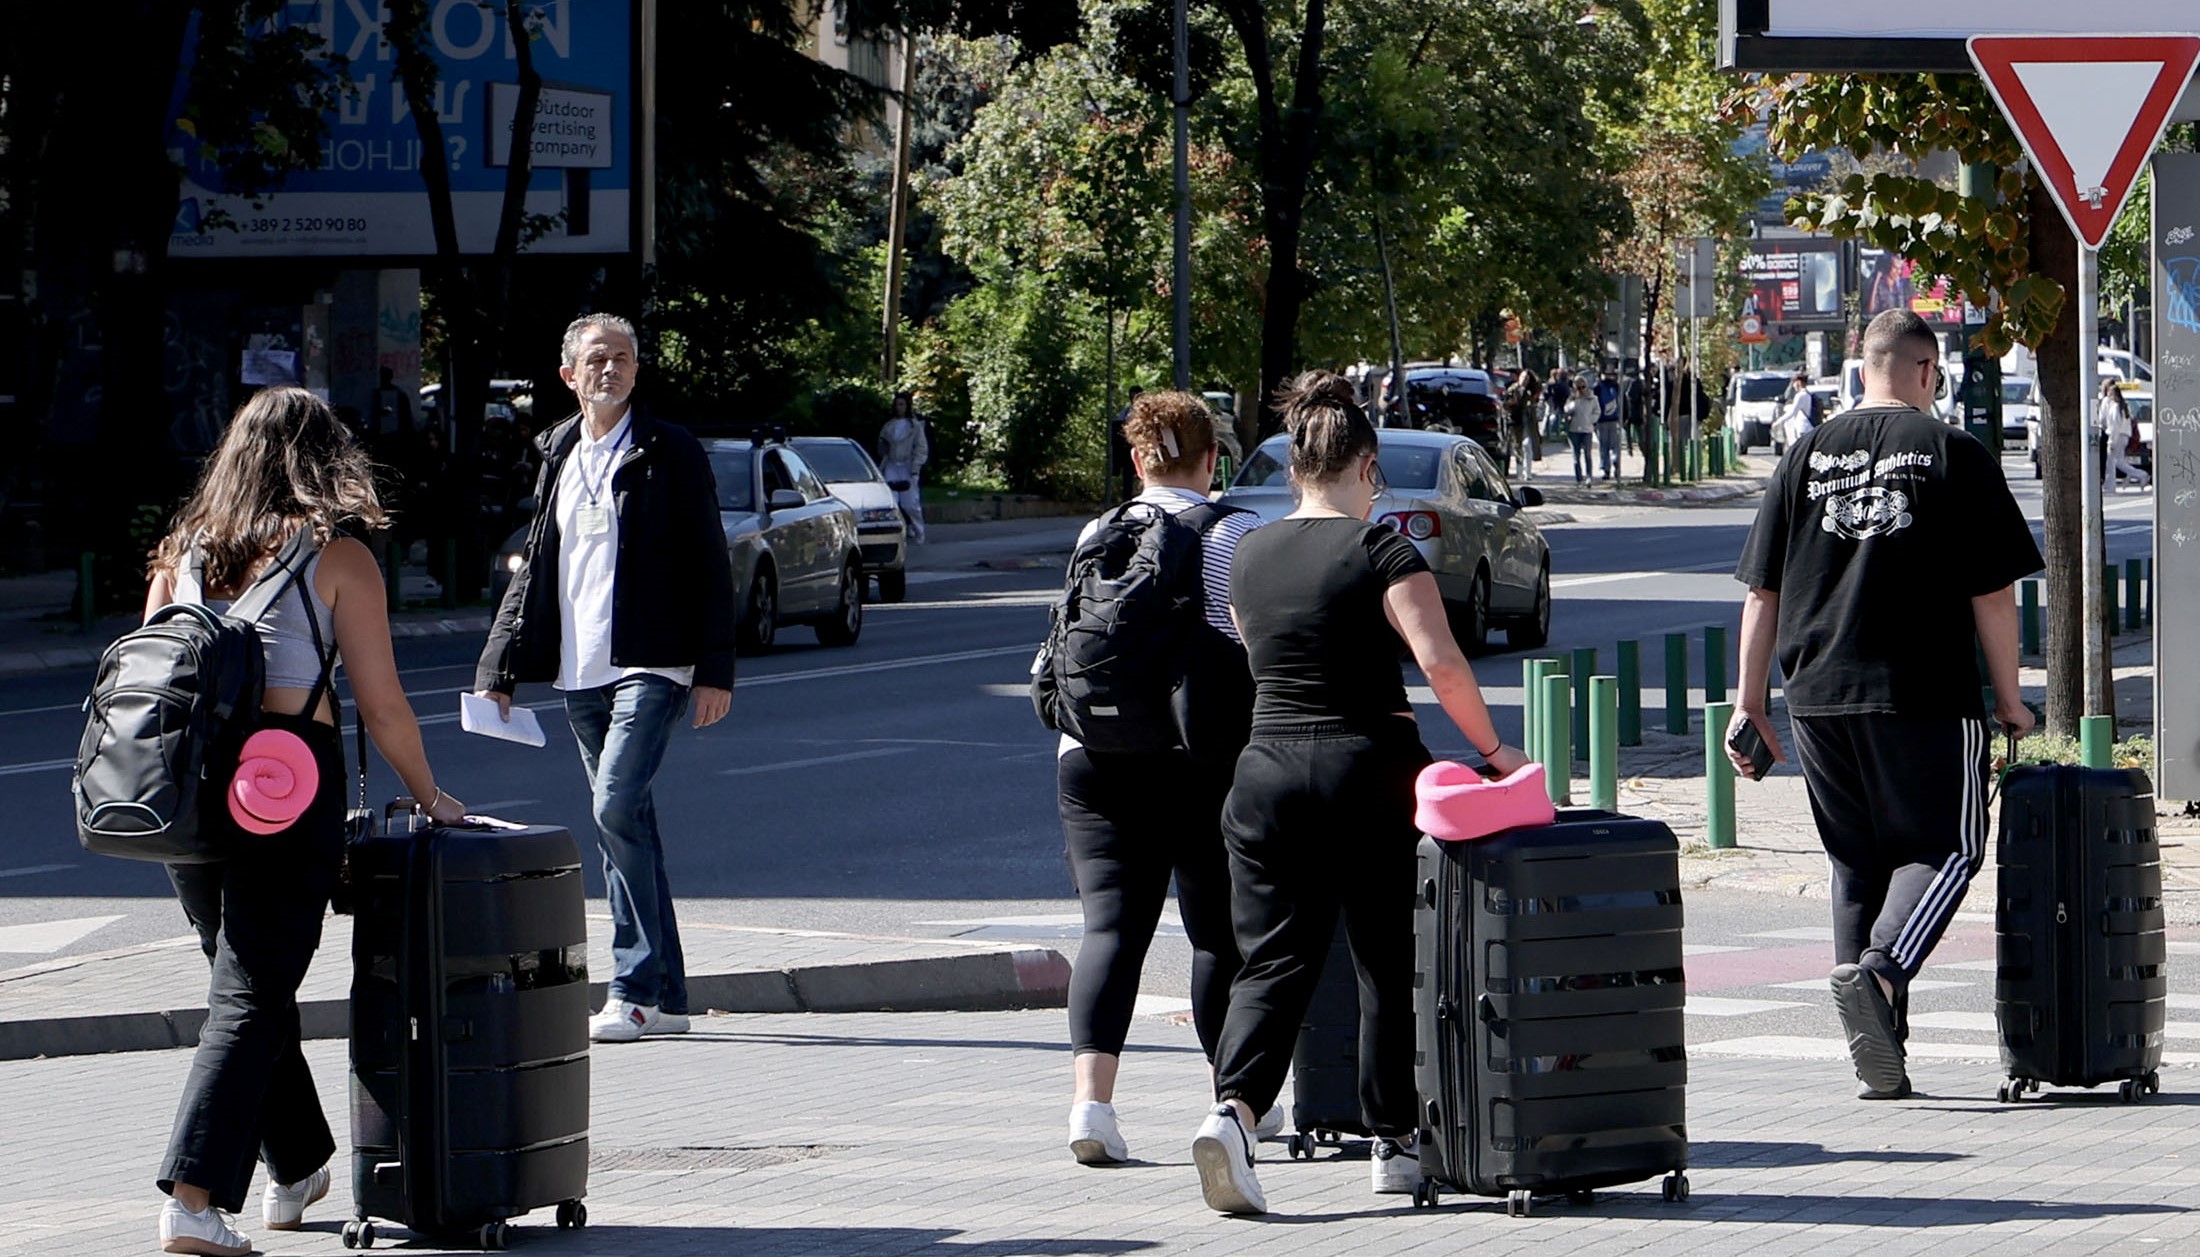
x: 479, y: 715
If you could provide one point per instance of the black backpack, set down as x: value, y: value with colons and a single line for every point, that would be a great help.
x: 170, y: 708
x: 1127, y: 632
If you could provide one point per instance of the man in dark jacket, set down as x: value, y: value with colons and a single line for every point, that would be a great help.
x: 624, y: 599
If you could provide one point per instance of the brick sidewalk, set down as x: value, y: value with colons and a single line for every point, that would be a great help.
x: 939, y: 1135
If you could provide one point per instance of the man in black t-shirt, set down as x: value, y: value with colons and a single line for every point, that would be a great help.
x: 1887, y: 545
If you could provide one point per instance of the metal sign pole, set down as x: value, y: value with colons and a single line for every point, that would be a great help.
x: 2089, y: 354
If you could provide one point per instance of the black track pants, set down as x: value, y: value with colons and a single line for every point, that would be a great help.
x: 1129, y: 822
x: 1901, y: 808
x: 1317, y: 823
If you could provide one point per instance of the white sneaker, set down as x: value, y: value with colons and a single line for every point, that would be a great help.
x: 668, y: 1023
x: 1224, y: 1157
x: 1094, y: 1138
x: 1394, y: 1168
x: 1270, y: 1124
x: 207, y: 1234
x: 283, y: 1206
x: 622, y: 1022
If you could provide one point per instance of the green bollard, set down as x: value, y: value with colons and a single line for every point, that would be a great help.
x: 2029, y: 622
x: 1584, y: 667
x: 1558, y: 757
x: 1718, y: 774
x: 1676, y: 683
x: 1630, y: 693
x: 2108, y: 599
x: 2096, y: 741
x: 1650, y: 458
x: 1532, y: 672
x: 1714, y: 663
x: 87, y: 593
x: 2133, y: 570
x: 1604, y: 743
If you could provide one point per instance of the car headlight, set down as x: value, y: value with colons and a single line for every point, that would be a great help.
x: 514, y: 561
x: 878, y: 515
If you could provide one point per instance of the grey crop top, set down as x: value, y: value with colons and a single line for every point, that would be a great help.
x: 284, y: 635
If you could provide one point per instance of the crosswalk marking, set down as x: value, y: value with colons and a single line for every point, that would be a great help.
x: 1715, y: 1006
x: 1800, y: 934
x: 1796, y: 1047
x: 45, y: 938
x: 1818, y: 985
x: 1707, y: 949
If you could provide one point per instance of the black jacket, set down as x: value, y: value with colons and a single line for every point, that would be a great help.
x: 672, y: 601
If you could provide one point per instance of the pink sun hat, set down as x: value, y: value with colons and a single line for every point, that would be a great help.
x: 276, y: 780
x: 1457, y: 804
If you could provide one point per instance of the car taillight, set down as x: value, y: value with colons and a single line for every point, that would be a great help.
x: 1419, y: 525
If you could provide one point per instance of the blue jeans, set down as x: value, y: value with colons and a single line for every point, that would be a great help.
x: 1580, y: 440
x: 622, y: 729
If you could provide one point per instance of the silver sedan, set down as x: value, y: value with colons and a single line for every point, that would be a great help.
x: 1452, y: 501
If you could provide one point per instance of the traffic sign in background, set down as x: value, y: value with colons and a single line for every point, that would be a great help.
x: 367, y: 200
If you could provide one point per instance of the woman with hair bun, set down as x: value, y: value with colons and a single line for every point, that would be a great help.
x: 1320, y: 818
x: 1131, y: 820
x: 286, y: 472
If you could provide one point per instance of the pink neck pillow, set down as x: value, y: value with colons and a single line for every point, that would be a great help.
x: 276, y: 780
x: 1457, y: 804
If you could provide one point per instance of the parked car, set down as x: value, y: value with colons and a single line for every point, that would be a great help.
x: 2020, y: 407
x: 1448, y: 496
x: 792, y: 544
x: 1753, y: 403
x: 1459, y: 400
x: 881, y: 532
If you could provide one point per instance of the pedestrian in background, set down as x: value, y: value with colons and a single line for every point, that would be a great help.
x: 1887, y: 545
x: 1582, y: 412
x: 903, y: 451
x: 1633, y: 403
x: 1131, y: 820
x: 285, y: 466
x: 1608, y: 426
x: 2123, y: 438
x: 624, y: 599
x: 1524, y: 405
x: 1557, y: 391
x: 1320, y: 818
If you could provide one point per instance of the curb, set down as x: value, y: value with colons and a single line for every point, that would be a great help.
x: 974, y: 982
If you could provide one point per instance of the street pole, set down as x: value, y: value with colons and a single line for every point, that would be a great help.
x: 897, y: 216
x: 2089, y: 462
x: 1183, y: 281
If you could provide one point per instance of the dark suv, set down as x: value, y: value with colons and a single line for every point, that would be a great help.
x: 1454, y: 399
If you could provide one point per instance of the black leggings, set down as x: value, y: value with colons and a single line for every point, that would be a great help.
x: 258, y: 917
x: 1128, y: 822
x: 1320, y: 821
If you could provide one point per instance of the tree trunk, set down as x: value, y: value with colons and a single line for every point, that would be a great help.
x: 2055, y: 254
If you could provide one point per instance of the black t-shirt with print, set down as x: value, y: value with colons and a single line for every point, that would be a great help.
x: 1308, y: 593
x: 1877, y: 531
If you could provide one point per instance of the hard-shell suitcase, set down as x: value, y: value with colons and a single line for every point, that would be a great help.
x: 469, y: 1030
x: 1548, y: 995
x: 1325, y: 1062
x: 2080, y: 992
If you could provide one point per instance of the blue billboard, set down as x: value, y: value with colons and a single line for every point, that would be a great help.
x: 366, y: 197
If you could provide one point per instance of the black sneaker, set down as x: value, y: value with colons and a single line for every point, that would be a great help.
x: 1875, y: 1045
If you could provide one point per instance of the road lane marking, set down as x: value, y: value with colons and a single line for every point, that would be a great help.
x: 887, y: 665
x: 77, y: 706
x: 877, y: 752
x: 36, y: 868
x: 44, y: 938
x: 1694, y: 569
x: 42, y: 766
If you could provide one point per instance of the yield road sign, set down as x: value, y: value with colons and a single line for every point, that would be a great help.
x: 2090, y: 109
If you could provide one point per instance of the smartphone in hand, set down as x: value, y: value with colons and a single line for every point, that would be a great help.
x: 1745, y: 741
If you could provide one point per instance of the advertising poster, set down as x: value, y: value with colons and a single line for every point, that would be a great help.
x: 1888, y: 281
x: 1793, y: 282
x: 366, y: 197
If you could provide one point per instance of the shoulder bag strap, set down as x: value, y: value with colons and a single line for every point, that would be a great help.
x: 325, y: 652
x: 289, y: 564
x: 191, y: 577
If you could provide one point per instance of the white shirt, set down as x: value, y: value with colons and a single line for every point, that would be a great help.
x: 588, y: 563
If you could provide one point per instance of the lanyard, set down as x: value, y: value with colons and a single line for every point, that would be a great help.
x: 590, y: 485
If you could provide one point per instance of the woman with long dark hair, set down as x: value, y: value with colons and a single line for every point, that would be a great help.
x: 285, y: 470
x: 1320, y: 816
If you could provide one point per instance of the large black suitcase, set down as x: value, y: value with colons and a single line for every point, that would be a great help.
x: 469, y: 1031
x: 1548, y: 994
x: 1325, y: 1062
x: 2081, y: 983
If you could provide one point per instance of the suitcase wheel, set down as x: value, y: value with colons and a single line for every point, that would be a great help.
x: 1675, y: 1188
x: 1424, y: 1194
x: 1520, y: 1203
x: 493, y: 1235
x: 2010, y: 1091
x: 2133, y: 1090
x: 572, y: 1215
x: 358, y: 1234
x: 1300, y: 1146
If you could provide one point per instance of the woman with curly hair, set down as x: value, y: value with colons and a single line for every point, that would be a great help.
x: 285, y: 482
